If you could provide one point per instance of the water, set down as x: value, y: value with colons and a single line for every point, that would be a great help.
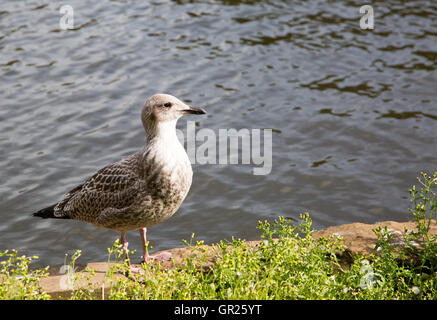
x: 354, y: 112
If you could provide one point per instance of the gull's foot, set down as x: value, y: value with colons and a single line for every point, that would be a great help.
x: 163, y: 256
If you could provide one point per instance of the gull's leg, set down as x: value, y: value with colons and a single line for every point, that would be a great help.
x: 143, y: 243
x: 125, y: 244
x: 126, y: 251
x: 163, y: 256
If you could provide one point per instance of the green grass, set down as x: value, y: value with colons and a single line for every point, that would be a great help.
x: 287, y: 264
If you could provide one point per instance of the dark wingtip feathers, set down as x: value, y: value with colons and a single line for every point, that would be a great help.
x: 48, y: 212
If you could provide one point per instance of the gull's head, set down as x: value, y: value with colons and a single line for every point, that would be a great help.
x: 163, y: 108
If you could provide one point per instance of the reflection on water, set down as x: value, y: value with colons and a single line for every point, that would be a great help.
x: 353, y: 112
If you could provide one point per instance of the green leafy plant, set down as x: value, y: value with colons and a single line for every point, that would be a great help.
x: 424, y: 205
x: 16, y: 281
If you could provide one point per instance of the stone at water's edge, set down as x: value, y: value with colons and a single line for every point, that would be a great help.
x: 358, y: 238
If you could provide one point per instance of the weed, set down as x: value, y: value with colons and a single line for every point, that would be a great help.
x: 16, y: 281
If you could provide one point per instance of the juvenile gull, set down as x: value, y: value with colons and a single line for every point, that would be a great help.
x: 142, y: 189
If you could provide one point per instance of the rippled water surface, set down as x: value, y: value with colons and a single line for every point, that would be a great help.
x: 354, y: 111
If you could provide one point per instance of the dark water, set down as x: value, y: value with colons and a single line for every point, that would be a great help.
x: 354, y: 111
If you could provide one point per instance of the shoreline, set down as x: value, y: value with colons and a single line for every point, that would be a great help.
x: 358, y: 238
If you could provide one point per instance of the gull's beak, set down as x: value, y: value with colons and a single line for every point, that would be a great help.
x: 194, y: 110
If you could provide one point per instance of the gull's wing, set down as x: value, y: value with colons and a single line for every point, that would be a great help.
x: 114, y: 186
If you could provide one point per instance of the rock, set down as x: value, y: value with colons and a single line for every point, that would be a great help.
x: 359, y: 238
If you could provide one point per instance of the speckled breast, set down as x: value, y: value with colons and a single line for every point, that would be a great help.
x: 167, y: 190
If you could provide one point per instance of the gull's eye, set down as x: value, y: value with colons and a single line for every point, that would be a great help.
x: 167, y: 105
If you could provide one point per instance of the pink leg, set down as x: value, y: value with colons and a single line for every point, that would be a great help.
x: 163, y: 256
x: 125, y: 244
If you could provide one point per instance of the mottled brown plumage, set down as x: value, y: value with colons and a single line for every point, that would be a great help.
x: 142, y: 189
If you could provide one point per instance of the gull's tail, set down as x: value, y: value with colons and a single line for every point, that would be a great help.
x: 48, y: 212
